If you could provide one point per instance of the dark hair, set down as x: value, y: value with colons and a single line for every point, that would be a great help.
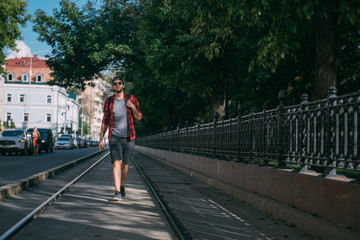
x: 117, y: 78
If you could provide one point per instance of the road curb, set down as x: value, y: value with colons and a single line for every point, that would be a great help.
x: 12, y: 189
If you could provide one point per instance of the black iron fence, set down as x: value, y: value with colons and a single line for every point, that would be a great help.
x: 321, y: 134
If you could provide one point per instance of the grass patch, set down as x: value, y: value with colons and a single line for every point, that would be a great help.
x: 349, y: 173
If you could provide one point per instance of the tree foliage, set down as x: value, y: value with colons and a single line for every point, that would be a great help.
x: 12, y: 14
x: 9, y: 124
x: 187, y: 59
x: 327, y: 29
x: 86, y: 41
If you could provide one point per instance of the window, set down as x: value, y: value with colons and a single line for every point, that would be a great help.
x: 22, y: 98
x: 8, y: 116
x: 10, y: 76
x: 24, y: 77
x: 26, y: 117
x: 48, y: 99
x: 9, y: 97
x: 48, y: 118
x: 39, y: 77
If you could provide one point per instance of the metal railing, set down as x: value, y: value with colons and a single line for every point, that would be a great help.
x: 322, y: 134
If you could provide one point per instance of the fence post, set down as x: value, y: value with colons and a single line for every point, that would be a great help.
x: 239, y: 108
x: 178, y: 139
x: 282, y: 99
x: 252, y: 111
x: 186, y: 136
x: 222, y: 137
x: 216, y: 118
x: 198, y: 135
x: 265, y: 146
x: 330, y: 128
x: 304, y: 134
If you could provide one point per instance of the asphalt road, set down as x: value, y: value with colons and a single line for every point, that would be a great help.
x: 16, y: 167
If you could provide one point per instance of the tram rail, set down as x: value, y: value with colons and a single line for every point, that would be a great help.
x: 176, y: 226
x: 10, y: 190
x: 188, y: 209
x: 42, y: 207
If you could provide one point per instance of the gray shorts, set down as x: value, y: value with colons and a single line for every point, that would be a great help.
x: 121, y: 149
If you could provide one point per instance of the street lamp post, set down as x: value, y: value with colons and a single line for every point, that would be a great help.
x: 82, y: 122
x: 64, y: 114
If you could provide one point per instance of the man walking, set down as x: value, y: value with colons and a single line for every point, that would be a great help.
x: 120, y: 110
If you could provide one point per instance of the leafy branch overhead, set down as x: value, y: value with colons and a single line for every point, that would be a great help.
x: 191, y: 58
x: 12, y: 14
x: 84, y: 43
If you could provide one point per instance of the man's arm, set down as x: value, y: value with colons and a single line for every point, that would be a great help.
x: 103, y: 130
x: 137, y: 114
x: 104, y: 125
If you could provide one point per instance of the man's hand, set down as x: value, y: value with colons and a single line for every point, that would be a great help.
x: 130, y: 104
x: 101, y: 145
x: 136, y: 113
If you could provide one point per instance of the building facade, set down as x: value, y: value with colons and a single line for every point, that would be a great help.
x: 29, y: 101
x: 91, y: 102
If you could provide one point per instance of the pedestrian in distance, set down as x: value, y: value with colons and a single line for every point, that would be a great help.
x: 120, y: 113
x: 36, y: 141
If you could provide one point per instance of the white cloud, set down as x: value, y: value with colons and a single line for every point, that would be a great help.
x: 24, y: 51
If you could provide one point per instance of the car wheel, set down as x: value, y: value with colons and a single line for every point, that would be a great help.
x: 24, y: 151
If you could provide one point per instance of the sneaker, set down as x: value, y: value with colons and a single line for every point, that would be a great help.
x: 122, y: 192
x: 117, y: 197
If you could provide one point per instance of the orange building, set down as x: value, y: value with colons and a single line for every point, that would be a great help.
x: 20, y: 69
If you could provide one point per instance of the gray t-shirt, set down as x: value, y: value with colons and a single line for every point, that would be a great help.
x: 121, y: 124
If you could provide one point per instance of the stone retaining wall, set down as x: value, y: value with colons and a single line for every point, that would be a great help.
x: 298, y: 199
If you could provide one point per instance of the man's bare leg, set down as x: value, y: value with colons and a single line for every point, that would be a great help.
x: 124, y: 173
x: 117, y: 174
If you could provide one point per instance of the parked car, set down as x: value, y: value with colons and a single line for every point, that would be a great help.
x: 15, y: 140
x: 80, y: 142
x: 73, y: 139
x: 47, y: 139
x: 64, y: 142
x: 86, y: 144
x: 93, y: 143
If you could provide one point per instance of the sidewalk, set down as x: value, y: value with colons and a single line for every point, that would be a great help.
x: 86, y: 211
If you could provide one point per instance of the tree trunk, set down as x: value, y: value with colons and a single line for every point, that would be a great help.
x: 217, y: 99
x: 326, y: 48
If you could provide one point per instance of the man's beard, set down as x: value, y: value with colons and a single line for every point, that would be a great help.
x: 119, y: 91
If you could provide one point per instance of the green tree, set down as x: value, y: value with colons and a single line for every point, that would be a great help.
x: 186, y: 59
x: 13, y: 13
x: 9, y: 124
x: 85, y: 127
x: 329, y: 28
x: 175, y: 56
x: 86, y: 41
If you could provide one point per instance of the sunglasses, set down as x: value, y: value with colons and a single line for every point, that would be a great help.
x: 116, y: 83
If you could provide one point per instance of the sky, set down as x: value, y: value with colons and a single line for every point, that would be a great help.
x: 29, y: 45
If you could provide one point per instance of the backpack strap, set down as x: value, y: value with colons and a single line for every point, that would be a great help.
x: 109, y: 102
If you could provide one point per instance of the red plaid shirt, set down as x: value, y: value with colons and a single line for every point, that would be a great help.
x: 108, y: 118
